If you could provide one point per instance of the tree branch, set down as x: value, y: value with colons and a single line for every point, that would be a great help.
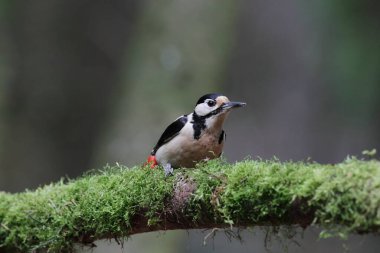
x: 118, y: 202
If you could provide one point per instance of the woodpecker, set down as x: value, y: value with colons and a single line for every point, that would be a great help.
x: 194, y: 137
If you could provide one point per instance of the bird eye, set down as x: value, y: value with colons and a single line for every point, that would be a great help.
x: 211, y: 103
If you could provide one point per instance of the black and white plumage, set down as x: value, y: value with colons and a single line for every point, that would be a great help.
x: 197, y: 136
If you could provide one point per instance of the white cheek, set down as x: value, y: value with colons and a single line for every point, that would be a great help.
x: 203, y: 109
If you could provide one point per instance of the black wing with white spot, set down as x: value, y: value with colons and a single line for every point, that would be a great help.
x: 170, y: 132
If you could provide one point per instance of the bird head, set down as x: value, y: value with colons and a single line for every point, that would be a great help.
x: 215, y: 105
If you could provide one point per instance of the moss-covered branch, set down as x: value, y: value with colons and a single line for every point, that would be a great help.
x: 118, y: 201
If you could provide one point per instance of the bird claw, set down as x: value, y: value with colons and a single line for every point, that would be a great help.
x: 168, y: 169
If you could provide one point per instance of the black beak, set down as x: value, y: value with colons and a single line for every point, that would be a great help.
x: 231, y: 105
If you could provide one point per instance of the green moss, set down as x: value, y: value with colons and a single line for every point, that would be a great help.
x: 94, y: 206
x: 343, y: 198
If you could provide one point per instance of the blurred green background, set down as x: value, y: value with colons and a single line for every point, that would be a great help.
x: 84, y: 83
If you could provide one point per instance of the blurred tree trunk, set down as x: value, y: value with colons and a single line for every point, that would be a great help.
x: 272, y: 66
x: 65, y: 59
x: 179, y: 54
x: 310, y: 73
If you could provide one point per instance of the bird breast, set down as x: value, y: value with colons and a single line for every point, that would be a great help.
x: 185, y: 151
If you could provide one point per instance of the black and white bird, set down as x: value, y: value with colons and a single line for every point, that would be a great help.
x: 194, y: 137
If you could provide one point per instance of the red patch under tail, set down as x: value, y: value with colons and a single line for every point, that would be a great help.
x: 152, y: 162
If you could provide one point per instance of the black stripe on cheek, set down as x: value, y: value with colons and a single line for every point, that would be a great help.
x: 199, y: 124
x: 214, y: 112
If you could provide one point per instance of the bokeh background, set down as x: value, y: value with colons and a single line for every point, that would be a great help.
x: 85, y: 83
